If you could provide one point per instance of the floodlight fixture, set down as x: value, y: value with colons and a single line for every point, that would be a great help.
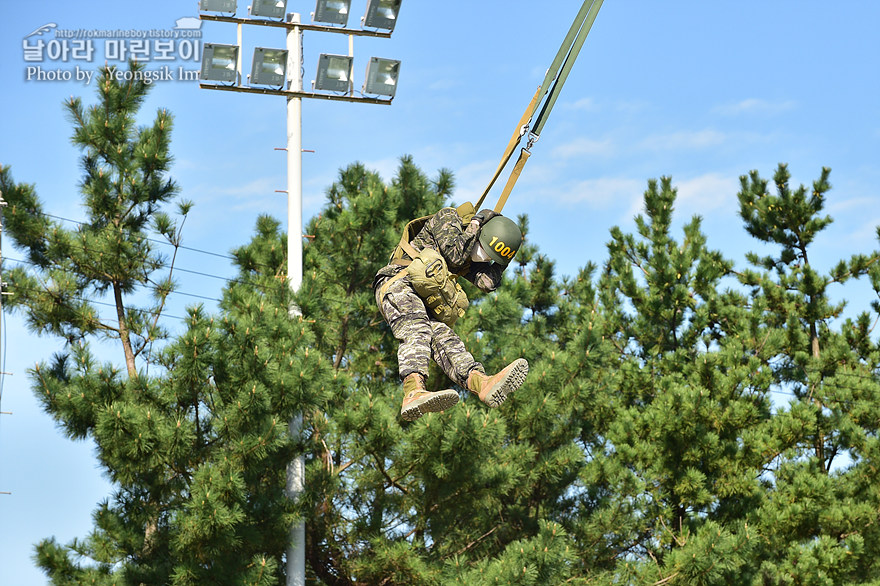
x: 269, y: 67
x: 334, y: 73
x: 332, y: 11
x: 382, y: 76
x: 382, y: 14
x: 219, y: 62
x: 218, y: 5
x: 269, y: 8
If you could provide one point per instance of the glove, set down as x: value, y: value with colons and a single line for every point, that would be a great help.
x: 484, y: 216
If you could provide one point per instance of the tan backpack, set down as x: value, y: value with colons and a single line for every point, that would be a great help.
x: 445, y: 299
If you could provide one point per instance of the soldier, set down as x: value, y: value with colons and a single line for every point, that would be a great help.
x: 419, y: 298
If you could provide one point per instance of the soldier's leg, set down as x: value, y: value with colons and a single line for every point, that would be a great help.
x: 450, y: 353
x: 493, y: 390
x: 405, y: 312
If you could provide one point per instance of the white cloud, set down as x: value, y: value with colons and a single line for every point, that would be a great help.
x: 257, y: 196
x: 444, y: 84
x: 386, y: 168
x: 584, y: 104
x: 581, y: 147
x: 755, y: 106
x: 257, y: 188
x: 707, y: 193
x: 710, y: 195
x: 857, y: 219
x: 187, y: 164
x: 471, y: 180
x: 835, y: 207
x: 631, y: 106
x: 601, y: 193
x: 683, y: 140
x: 865, y: 236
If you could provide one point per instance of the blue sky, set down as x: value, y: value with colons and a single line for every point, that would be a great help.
x: 700, y: 91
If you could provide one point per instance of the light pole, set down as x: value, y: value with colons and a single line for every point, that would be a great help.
x: 380, y: 14
x: 296, y: 471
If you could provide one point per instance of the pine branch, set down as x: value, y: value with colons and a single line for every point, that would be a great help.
x: 666, y: 579
x: 475, y: 542
x: 390, y: 480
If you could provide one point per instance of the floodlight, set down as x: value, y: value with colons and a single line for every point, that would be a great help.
x: 269, y: 66
x: 382, y: 76
x: 218, y: 5
x: 332, y: 11
x: 382, y: 14
x: 269, y: 8
x: 219, y: 62
x: 333, y: 73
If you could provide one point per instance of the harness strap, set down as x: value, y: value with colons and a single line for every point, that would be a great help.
x: 550, y: 88
x: 563, y: 51
x: 566, y: 66
x: 511, y: 181
x: 518, y: 133
x: 408, y: 248
x: 383, y: 290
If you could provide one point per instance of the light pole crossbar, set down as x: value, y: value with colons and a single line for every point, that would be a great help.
x: 292, y: 94
x: 306, y: 27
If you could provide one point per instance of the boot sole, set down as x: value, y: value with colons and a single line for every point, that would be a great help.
x: 436, y: 402
x: 511, y: 382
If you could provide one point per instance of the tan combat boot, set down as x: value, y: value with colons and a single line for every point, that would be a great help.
x: 417, y: 401
x: 493, y: 390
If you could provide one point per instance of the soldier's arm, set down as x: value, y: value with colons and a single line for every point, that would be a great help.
x: 486, y: 275
x: 455, y: 243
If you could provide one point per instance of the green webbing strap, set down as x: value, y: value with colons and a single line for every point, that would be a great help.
x: 511, y: 145
x: 566, y: 67
x: 565, y: 48
x: 514, y: 175
x: 549, y: 77
x: 552, y: 84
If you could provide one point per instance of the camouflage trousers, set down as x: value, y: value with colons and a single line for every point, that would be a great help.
x: 422, y: 338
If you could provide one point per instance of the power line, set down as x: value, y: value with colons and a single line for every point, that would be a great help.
x: 236, y: 281
x: 181, y: 269
x: 154, y: 240
x: 173, y: 292
x: 165, y: 265
x: 113, y: 305
x: 263, y: 288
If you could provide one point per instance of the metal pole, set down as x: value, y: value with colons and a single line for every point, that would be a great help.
x: 351, y: 67
x: 238, y: 79
x: 296, y: 551
x: 2, y: 374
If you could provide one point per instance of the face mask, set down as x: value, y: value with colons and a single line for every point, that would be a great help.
x: 478, y: 254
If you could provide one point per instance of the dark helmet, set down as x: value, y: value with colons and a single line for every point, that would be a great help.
x: 500, y: 237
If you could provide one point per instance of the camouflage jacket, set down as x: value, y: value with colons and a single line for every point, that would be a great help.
x: 444, y: 233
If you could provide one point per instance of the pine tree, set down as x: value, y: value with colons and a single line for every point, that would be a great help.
x: 818, y: 524
x: 698, y: 477
x: 458, y: 497
x: 672, y: 469
x: 647, y: 446
x: 197, y: 447
x: 124, y: 187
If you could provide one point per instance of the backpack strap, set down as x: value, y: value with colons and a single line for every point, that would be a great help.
x: 412, y: 228
x: 383, y: 291
x: 465, y: 212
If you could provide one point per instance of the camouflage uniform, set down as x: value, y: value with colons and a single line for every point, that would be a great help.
x: 421, y: 336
